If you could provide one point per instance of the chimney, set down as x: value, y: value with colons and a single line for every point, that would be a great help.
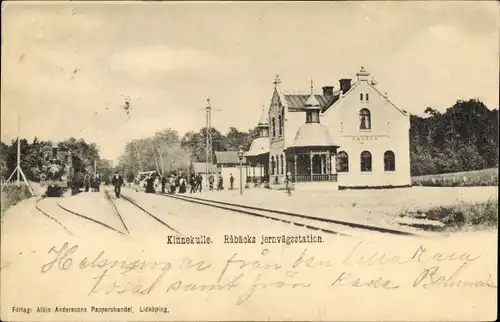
x: 328, y: 91
x: 345, y: 84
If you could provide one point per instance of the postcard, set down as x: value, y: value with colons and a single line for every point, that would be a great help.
x: 249, y: 161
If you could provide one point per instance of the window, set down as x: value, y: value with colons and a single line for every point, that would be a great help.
x: 342, y: 162
x: 280, y: 123
x: 367, y: 98
x: 273, y: 165
x: 274, y: 127
x: 282, y: 164
x: 366, y: 161
x: 365, y: 122
x: 361, y: 97
x: 389, y: 161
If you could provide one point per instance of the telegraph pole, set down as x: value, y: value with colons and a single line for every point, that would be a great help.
x: 208, y: 138
x: 18, y: 149
x: 18, y: 170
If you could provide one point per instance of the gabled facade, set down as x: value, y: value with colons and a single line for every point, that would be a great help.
x: 371, y: 132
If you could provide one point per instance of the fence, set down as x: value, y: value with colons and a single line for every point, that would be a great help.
x: 315, y: 178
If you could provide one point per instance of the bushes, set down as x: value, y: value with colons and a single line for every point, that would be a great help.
x: 11, y: 195
x: 462, y: 216
x: 487, y: 177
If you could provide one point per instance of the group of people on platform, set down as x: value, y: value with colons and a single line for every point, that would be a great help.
x: 169, y: 184
x: 220, y: 182
x: 92, y: 183
x: 180, y: 184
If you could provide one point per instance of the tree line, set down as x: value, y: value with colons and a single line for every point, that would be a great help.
x: 463, y: 138
x: 167, y: 152
x: 32, y: 156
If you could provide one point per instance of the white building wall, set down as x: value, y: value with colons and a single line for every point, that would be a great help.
x: 235, y: 170
x: 389, y: 131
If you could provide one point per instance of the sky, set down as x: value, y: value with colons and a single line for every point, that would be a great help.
x: 68, y: 67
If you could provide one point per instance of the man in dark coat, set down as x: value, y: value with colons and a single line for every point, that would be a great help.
x: 231, y: 182
x: 211, y: 181
x: 192, y: 183
x: 220, y: 184
x: 163, y: 183
x: 97, y: 183
x: 86, y: 181
x: 199, y: 181
x: 117, y: 182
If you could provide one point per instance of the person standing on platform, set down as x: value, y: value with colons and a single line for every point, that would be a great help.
x: 192, y: 182
x: 288, y: 183
x: 172, y: 184
x: 117, y: 182
x: 137, y: 183
x: 199, y: 180
x: 97, y: 183
x: 231, y: 182
x: 211, y: 182
x: 150, y: 184
x: 220, y: 184
x: 163, y: 183
x: 87, y: 183
x: 182, y: 185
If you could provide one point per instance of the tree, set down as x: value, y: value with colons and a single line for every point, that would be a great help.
x: 162, y: 152
x: 463, y: 138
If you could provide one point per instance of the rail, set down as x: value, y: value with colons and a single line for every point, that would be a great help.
x: 228, y: 206
x: 262, y: 213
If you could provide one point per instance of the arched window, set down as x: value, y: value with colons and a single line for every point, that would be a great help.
x: 272, y: 165
x: 274, y: 127
x: 342, y: 162
x: 280, y: 123
x: 282, y: 164
x: 366, y: 161
x: 389, y: 161
x: 361, y: 97
x: 367, y: 98
x: 365, y: 122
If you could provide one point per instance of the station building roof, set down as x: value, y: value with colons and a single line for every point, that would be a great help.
x: 313, y: 134
x: 228, y: 157
x: 259, y: 146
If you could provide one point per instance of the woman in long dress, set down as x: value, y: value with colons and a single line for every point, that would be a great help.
x: 150, y: 188
x: 182, y: 185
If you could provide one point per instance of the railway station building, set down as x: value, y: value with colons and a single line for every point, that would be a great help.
x: 350, y: 137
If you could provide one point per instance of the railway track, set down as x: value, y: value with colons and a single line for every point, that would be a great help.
x: 72, y: 212
x: 287, y: 217
x: 46, y: 214
x: 113, y: 205
x: 133, y: 202
x: 262, y: 213
x: 117, y: 212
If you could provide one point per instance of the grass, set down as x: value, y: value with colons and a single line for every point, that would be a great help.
x: 11, y: 195
x: 464, y: 216
x: 485, y: 177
